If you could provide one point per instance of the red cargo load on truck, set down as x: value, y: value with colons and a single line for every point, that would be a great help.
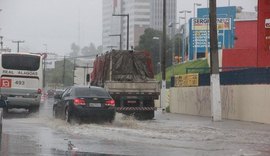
x: 126, y: 66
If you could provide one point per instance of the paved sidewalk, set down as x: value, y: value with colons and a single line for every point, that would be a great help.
x: 201, y: 136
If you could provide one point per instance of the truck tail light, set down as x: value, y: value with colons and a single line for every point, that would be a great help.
x: 110, y: 103
x: 79, y: 102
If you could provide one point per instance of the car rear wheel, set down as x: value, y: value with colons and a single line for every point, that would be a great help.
x: 55, y: 114
x: 67, y: 115
x: 110, y: 119
x: 71, y: 118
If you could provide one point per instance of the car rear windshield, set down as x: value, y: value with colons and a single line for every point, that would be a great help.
x: 91, y: 92
x: 20, y: 62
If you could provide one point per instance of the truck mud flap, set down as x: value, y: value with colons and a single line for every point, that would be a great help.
x: 121, y: 109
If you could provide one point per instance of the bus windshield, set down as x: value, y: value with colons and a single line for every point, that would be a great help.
x: 20, y: 62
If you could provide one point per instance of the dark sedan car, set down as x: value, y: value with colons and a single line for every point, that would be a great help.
x: 84, y: 103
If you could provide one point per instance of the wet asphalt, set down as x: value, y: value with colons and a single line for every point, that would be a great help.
x: 40, y: 134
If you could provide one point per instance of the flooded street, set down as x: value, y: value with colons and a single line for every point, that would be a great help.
x: 168, y: 134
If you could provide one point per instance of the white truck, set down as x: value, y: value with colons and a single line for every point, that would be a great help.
x: 128, y: 77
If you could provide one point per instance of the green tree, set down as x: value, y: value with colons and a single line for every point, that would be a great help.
x: 178, y: 45
x: 90, y: 50
x: 75, y: 50
x: 55, y: 76
x: 151, y: 41
x: 99, y: 49
x: 85, y: 51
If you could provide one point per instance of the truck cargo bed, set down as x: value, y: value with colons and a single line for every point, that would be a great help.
x: 147, y: 87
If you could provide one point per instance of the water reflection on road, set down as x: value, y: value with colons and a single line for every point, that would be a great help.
x: 26, y: 134
x: 169, y: 134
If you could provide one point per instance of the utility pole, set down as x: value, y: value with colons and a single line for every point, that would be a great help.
x: 44, y: 69
x: 184, y: 53
x: 74, y: 68
x: 163, y: 62
x: 64, y: 70
x: 18, y: 45
x: 1, y: 43
x: 215, y: 80
x: 195, y: 31
x: 173, y: 26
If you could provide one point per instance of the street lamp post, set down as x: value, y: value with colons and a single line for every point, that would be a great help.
x: 159, y: 52
x: 184, y: 39
x: 195, y: 36
x: 172, y: 25
x: 159, y: 64
x: 1, y: 38
x: 18, y: 45
x: 194, y: 8
x: 120, y: 36
x: 1, y: 43
x: 44, y: 70
x: 126, y: 15
x: 180, y: 37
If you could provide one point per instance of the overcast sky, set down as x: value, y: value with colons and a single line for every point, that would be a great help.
x: 57, y: 23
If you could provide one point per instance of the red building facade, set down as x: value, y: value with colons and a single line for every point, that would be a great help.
x: 252, y: 41
x: 244, y: 53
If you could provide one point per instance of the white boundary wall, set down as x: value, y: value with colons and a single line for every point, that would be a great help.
x: 239, y: 102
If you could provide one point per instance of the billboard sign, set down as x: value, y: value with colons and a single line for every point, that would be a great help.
x: 200, y: 34
x: 199, y: 24
x: 199, y: 40
x: 187, y: 80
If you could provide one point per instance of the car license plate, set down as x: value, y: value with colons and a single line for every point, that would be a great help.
x: 94, y: 104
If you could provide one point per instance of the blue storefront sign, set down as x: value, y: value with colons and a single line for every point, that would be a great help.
x: 199, y: 34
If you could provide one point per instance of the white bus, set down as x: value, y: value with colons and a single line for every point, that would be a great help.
x: 21, y: 80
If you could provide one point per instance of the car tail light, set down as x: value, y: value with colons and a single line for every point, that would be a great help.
x: 79, y: 101
x: 110, y: 102
x: 39, y: 91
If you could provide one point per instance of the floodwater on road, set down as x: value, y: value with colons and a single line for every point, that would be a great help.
x: 168, y: 134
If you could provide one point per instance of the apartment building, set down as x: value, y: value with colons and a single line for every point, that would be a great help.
x: 142, y: 14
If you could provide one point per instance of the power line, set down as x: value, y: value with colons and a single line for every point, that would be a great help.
x: 18, y: 44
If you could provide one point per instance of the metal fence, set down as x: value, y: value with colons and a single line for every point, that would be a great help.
x: 233, y: 76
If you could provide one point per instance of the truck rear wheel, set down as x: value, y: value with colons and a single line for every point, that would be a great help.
x: 34, y: 109
x: 147, y: 115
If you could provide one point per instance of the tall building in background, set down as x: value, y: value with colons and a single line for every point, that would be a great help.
x: 139, y: 20
x: 142, y: 14
x: 156, y: 20
x: 111, y: 26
